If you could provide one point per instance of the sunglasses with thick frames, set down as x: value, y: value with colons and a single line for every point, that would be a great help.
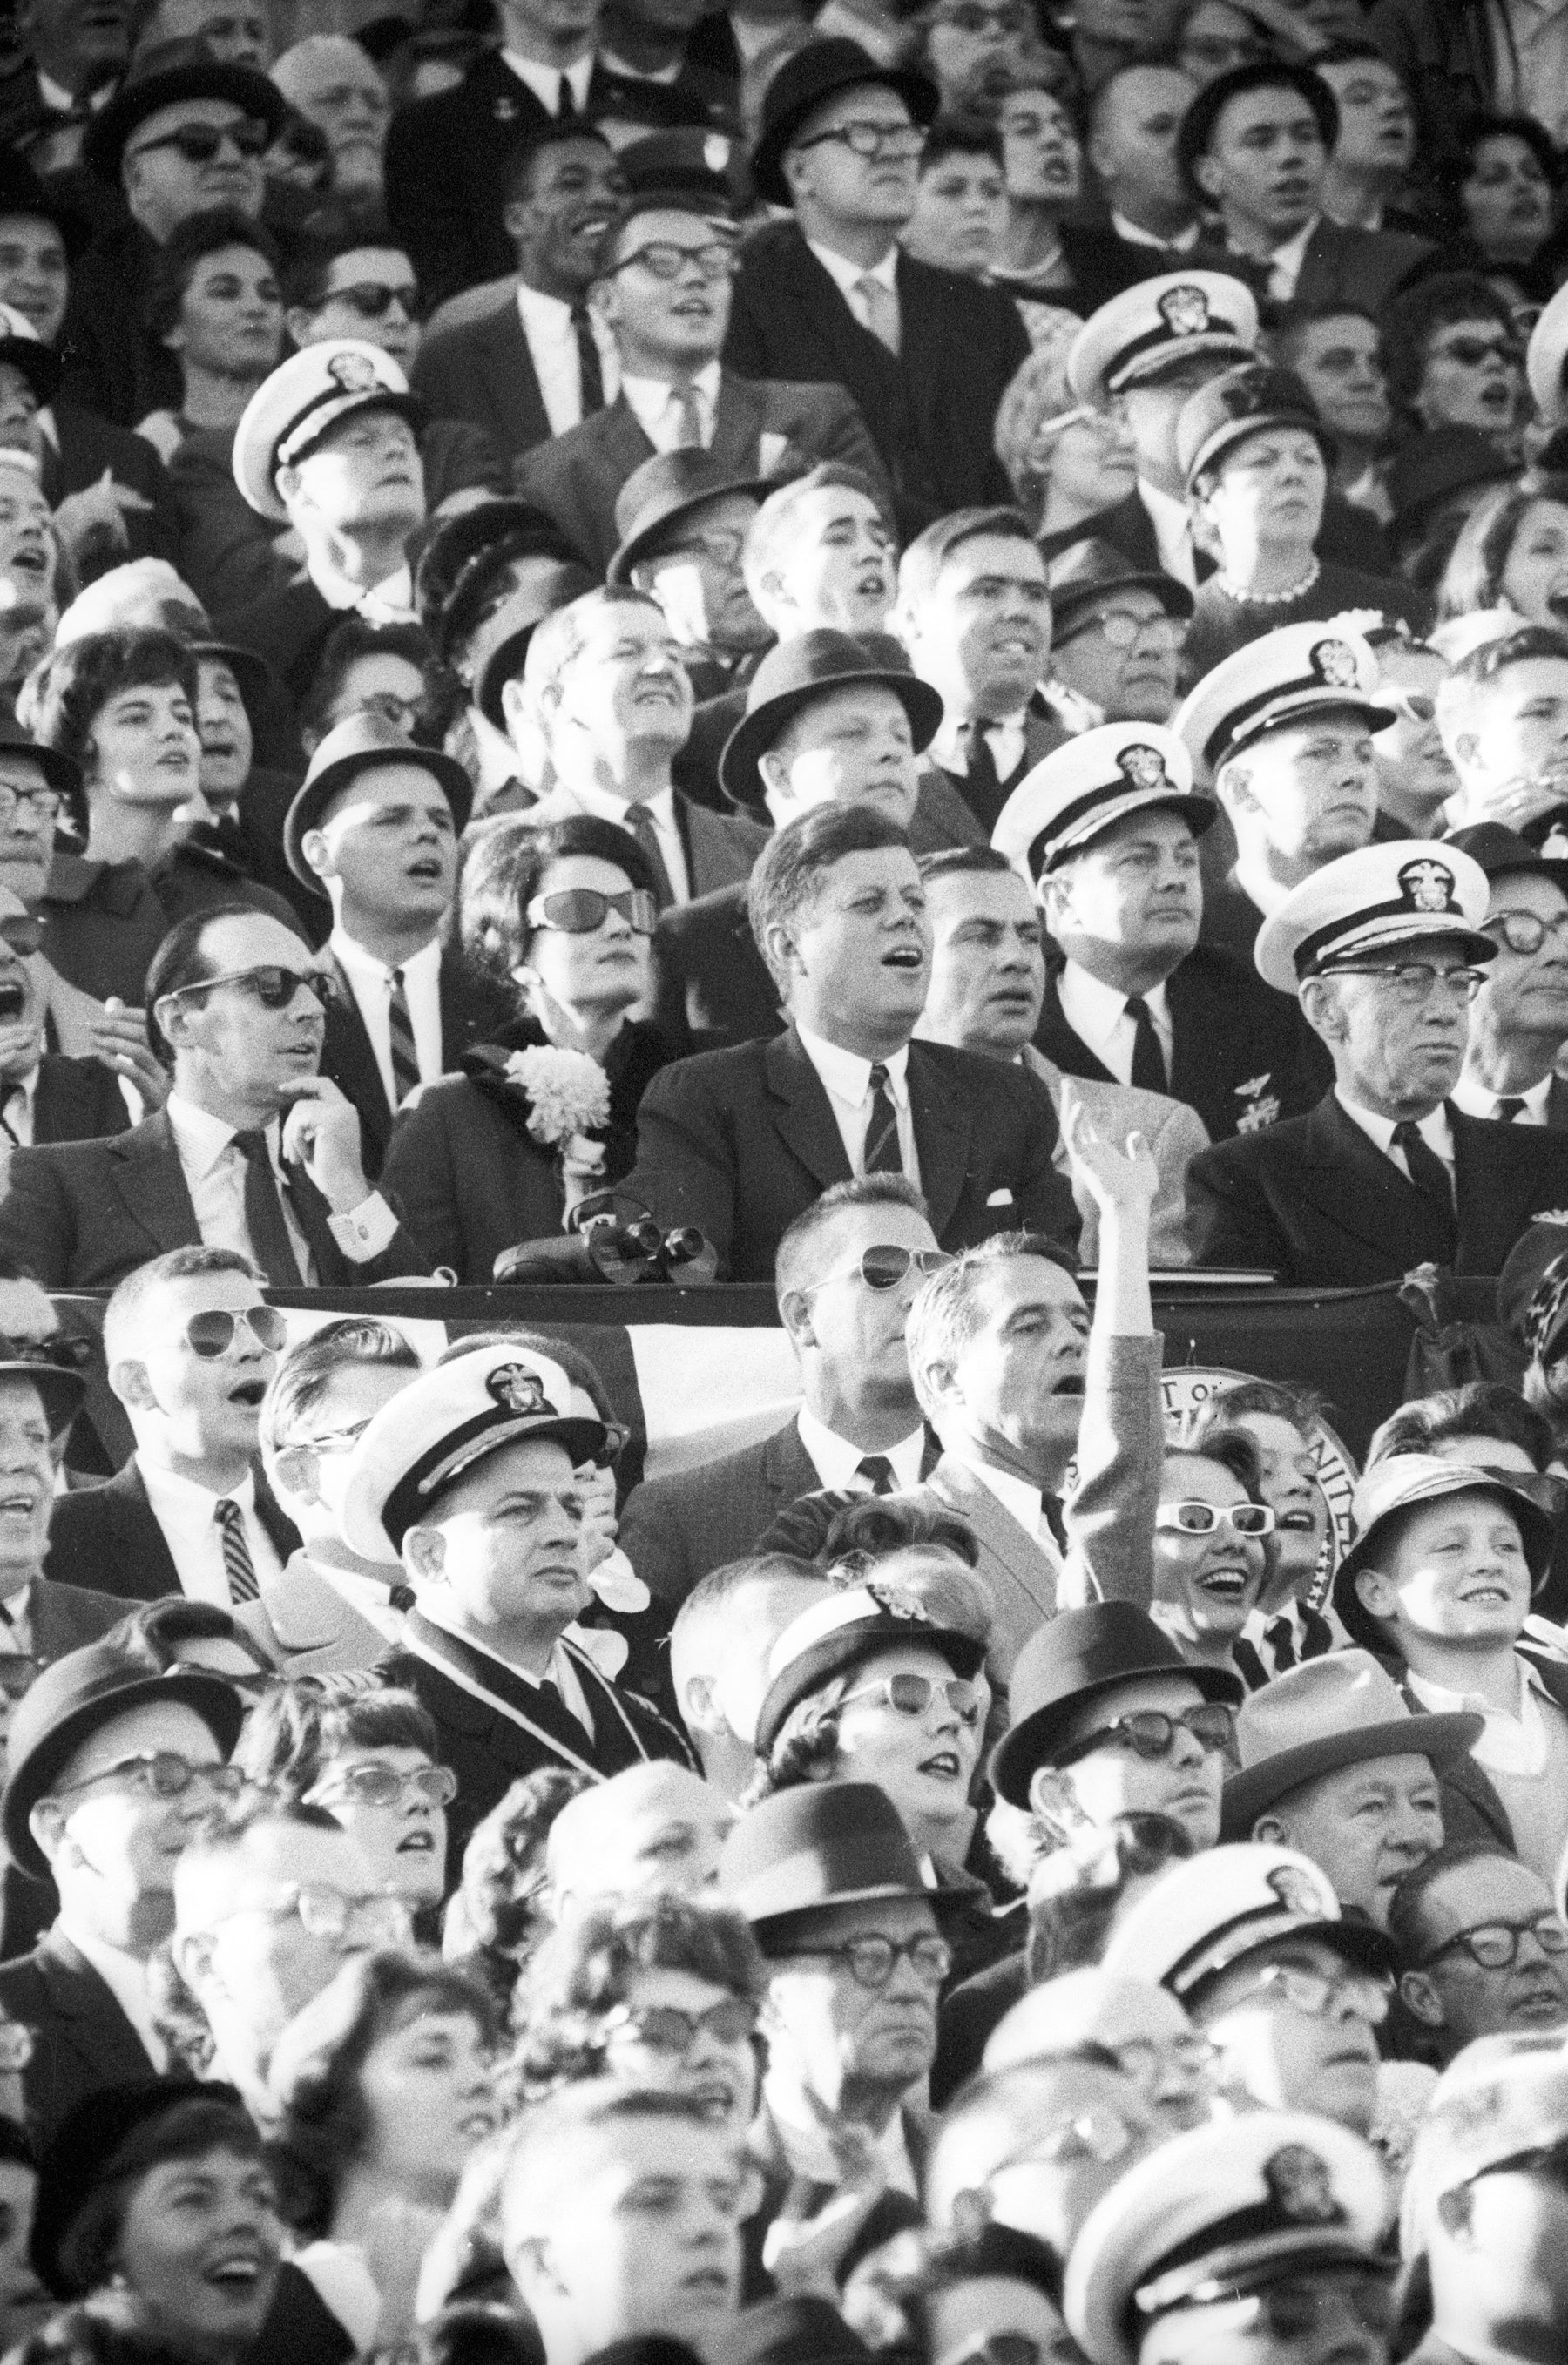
x: 666, y: 2029
x: 883, y: 1267
x: 578, y: 911
x: 1472, y: 351
x: 871, y: 1962
x: 198, y: 143
x: 1150, y: 1733
x: 212, y: 1334
x: 1191, y: 1517
x: 912, y: 1694
x: 272, y: 985
x: 162, y: 1775
x: 43, y: 805
x: 1495, y: 1945
x: 1522, y: 932
x: 373, y: 299
x: 385, y: 1786
x: 664, y: 259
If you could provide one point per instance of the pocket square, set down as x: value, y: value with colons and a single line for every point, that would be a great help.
x: 999, y: 1199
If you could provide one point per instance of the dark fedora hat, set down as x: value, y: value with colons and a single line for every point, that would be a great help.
x: 1243, y: 402
x: 1089, y: 571
x: 51, y: 1365
x: 665, y: 489
x: 1504, y: 854
x: 810, y: 666
x: 1432, y: 467
x: 85, y: 2150
x: 842, y: 1633
x: 61, y: 772
x: 363, y: 743
x: 805, y: 82
x: 820, y: 1844
x: 70, y: 1700
x: 1077, y: 1656
x: 22, y: 192
x: 1197, y: 127
x: 164, y: 73
x: 788, y: 2331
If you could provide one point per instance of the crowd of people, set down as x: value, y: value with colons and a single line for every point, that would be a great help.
x: 532, y: 758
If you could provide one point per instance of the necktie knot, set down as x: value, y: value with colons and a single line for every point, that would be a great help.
x: 876, y: 1471
x: 1510, y: 1105
x: 881, y: 310
x: 1425, y: 1170
x: 640, y: 821
x: 883, y: 1155
x: 1149, y: 1071
x: 688, y: 426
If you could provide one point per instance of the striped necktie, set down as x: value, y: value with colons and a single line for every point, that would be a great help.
x: 238, y: 1565
x: 405, y: 1058
x: 883, y: 1155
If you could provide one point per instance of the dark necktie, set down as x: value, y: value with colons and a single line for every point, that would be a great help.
x: 1509, y: 1107
x: 13, y: 1096
x: 878, y: 1471
x: 238, y: 1565
x: 405, y: 1058
x: 1148, y: 1055
x: 1428, y: 1172
x: 590, y: 372
x: 270, y: 1243
x: 640, y: 821
x: 982, y: 788
x: 566, y: 108
x: 883, y: 1155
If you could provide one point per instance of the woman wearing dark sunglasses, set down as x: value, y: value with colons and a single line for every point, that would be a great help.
x: 1212, y: 1547
x: 563, y: 919
x: 1454, y: 359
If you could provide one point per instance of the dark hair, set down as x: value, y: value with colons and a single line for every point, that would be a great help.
x: 303, y: 1376
x: 175, y: 264
x: 1409, y: 1893
x: 1482, y: 1408
x: 954, y: 861
x: 189, y: 2129
x: 1073, y: 1903
x: 77, y: 680
x: 1292, y: 321
x: 1452, y: 170
x: 494, y: 1912
x: 1234, y: 1450
x: 960, y: 135
x: 502, y: 876
x: 153, y: 1631
x: 181, y: 962
x: 1473, y: 576
x: 324, y: 2122
x: 1448, y: 297
x: 786, y: 876
x: 343, y: 648
x: 552, y: 134
x: 1198, y: 125
x: 1275, y: 1399
x: 293, y: 1735
x: 589, y: 1966
x: 331, y: 231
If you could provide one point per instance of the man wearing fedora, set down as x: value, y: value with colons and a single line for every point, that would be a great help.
x: 1438, y: 1583
x: 1519, y: 1020
x: 466, y: 1477
x: 254, y: 1149
x: 1334, y: 1763
x: 374, y: 828
x: 109, y: 1768
x: 663, y: 289
x: 683, y: 522
x: 44, y: 1094
x: 1117, y: 632
x: 1384, y: 949
x: 829, y: 718
x: 41, y: 1390
x: 925, y: 354
x: 853, y: 1939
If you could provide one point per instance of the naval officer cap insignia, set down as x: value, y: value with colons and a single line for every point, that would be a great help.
x: 304, y: 398
x: 1301, y: 670
x: 1217, y: 2214
x: 1148, y: 329
x: 443, y: 1423
x: 1377, y: 902
x: 1085, y: 788
x: 1219, y: 1907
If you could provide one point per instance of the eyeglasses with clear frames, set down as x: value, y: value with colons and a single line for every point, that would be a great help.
x: 1104, y: 2136
x: 329, y: 1912
x: 1317, y: 1993
x: 912, y: 1694
x: 1416, y: 981
x: 163, y: 1774
x: 1120, y: 629
x: 41, y: 805
x: 898, y: 142
x: 371, y: 1785
x: 664, y: 259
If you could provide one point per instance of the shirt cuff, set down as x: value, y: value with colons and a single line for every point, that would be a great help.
x: 366, y: 1231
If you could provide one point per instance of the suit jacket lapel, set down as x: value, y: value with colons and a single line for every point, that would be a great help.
x: 737, y: 428
x: 1001, y: 1533
x: 622, y: 446
x: 787, y: 1468
x: 802, y: 1111
x: 151, y: 1181
x: 76, y: 1994
x: 1346, y: 1177
x: 942, y: 1124
x: 507, y: 365
x: 349, y: 1059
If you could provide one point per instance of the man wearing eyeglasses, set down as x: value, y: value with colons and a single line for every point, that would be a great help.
x: 1518, y: 1021
x: 1385, y: 951
x: 1482, y: 1950
x: 1116, y: 633
x: 254, y: 1149
x: 110, y: 1769
x: 664, y: 273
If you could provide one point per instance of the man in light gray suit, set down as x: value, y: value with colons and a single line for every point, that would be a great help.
x: 846, y: 1272
x: 1018, y: 1385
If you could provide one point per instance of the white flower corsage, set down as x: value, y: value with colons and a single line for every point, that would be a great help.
x: 569, y: 1092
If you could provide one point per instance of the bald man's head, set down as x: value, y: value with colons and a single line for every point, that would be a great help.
x: 656, y: 1826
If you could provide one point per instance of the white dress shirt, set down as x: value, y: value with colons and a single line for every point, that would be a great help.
x: 16, y: 1100
x: 1024, y: 1502
x: 1183, y: 243
x: 656, y: 408
x: 837, y: 1463
x: 125, y: 1976
x: 214, y: 1177
x: 372, y: 982
x: 545, y: 81
x: 1476, y: 1101
x: 846, y: 1079
x: 1285, y: 262
x: 551, y: 343
x: 1006, y: 736
x: 17, y: 1623
x: 187, y: 1512
x: 1172, y: 526
x: 390, y: 602
x: 810, y: 2155
x: 661, y: 809
x: 846, y: 277
x: 1097, y: 1014
x: 1434, y: 1130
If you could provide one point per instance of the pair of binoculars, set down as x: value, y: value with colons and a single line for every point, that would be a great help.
x: 611, y: 1238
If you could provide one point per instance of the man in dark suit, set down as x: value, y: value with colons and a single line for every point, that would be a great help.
x: 1384, y: 949
x: 1134, y: 117
x: 1518, y: 1021
x: 859, y: 1428
x: 44, y: 1095
x: 489, y: 1646
x: 79, y: 1808
x: 254, y: 1149
x: 534, y: 362
x: 925, y: 354
x: 669, y: 323
x: 739, y: 1142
